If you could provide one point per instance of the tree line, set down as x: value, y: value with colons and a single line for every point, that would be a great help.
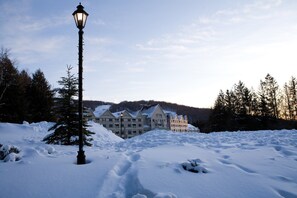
x: 241, y: 108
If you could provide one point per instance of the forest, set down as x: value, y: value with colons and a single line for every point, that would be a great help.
x: 241, y: 108
x: 23, y: 97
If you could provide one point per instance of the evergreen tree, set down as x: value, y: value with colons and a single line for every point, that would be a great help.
x: 24, y: 83
x: 8, y: 89
x: 292, y: 92
x: 41, y: 98
x: 243, y: 99
x: 217, y: 120
x: 287, y: 110
x: 230, y: 101
x: 254, y: 105
x: 66, y: 109
x: 263, y: 101
x: 269, y: 97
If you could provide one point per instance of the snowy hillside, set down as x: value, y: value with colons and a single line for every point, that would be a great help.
x: 238, y: 164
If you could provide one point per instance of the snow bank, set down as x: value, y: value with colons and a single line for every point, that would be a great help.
x: 103, y: 137
x: 153, y: 165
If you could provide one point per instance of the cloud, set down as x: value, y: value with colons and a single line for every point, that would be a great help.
x: 31, y: 50
x: 261, y: 5
x: 21, y: 20
x: 99, y: 40
x: 97, y: 22
x: 255, y: 10
x: 209, y: 32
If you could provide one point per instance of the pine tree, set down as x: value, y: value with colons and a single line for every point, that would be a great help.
x: 293, y: 96
x: 230, y: 100
x: 217, y: 120
x: 287, y: 105
x: 8, y: 89
x: 24, y: 83
x: 66, y: 110
x: 41, y: 98
x: 243, y: 99
x: 254, y: 105
x: 269, y: 97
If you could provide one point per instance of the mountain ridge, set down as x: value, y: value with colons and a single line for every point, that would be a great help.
x: 194, y: 114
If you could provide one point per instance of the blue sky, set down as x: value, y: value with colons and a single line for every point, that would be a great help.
x: 181, y: 51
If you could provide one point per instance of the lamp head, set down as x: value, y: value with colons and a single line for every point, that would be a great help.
x: 80, y: 17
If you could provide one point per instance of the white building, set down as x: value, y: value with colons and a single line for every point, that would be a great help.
x: 123, y: 123
x: 154, y: 117
x: 129, y: 124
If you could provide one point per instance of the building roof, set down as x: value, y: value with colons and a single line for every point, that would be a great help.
x: 149, y: 110
x: 100, y: 110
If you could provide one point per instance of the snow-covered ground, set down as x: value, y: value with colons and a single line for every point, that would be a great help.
x: 238, y: 164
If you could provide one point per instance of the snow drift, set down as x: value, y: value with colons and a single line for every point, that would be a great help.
x: 155, y: 164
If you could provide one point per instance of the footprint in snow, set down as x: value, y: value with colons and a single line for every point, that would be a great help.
x: 284, y: 151
x: 223, y: 161
x: 286, y: 194
x: 237, y: 166
x: 135, y: 157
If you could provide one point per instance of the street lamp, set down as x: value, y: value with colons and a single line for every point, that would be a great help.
x: 80, y: 18
x: 121, y: 123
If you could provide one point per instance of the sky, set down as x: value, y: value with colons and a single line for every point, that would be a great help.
x: 180, y: 51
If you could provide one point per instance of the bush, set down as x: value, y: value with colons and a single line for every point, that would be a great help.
x: 9, y: 153
x: 194, y: 166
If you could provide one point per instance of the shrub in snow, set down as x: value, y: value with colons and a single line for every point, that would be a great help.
x: 194, y: 166
x: 9, y: 153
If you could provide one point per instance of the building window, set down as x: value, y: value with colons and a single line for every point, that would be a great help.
x: 110, y: 125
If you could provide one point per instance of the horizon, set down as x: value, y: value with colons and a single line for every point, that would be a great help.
x: 181, y: 52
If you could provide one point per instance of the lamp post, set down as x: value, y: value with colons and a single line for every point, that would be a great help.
x: 121, y: 119
x: 80, y: 18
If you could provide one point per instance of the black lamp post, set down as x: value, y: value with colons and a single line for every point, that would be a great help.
x: 80, y: 18
x: 121, y: 123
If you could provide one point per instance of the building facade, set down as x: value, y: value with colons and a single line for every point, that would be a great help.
x: 177, y: 123
x: 129, y: 124
x: 123, y: 124
x: 154, y: 118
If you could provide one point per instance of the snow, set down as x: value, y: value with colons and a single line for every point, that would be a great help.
x: 192, y: 128
x: 100, y: 110
x: 148, y: 111
x: 156, y: 164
